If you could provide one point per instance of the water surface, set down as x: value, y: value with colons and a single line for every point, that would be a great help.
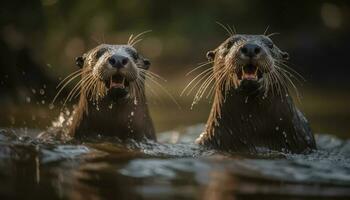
x: 176, y: 168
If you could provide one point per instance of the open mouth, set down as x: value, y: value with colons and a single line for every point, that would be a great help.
x: 249, y: 72
x: 117, y: 82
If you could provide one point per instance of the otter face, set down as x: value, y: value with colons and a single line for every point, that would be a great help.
x: 246, y: 59
x: 116, y: 66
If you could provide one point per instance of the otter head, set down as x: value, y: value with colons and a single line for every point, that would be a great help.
x: 115, y: 71
x: 245, y: 61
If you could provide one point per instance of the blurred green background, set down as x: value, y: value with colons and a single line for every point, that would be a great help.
x: 40, y: 39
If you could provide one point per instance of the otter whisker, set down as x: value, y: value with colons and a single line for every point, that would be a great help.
x: 203, y: 73
x: 291, y: 70
x: 289, y: 73
x: 153, y: 74
x: 77, y: 87
x: 198, y: 67
x: 231, y: 30
x: 270, y: 78
x: 284, y: 76
x: 69, y: 76
x: 153, y: 91
x: 76, y: 93
x: 91, y: 88
x: 267, y: 28
x: 272, y: 34
x: 152, y: 80
x: 138, y: 89
x: 204, y: 77
x: 166, y: 92
x: 204, y: 87
x: 234, y: 29
x: 283, y: 84
x: 82, y: 87
x: 66, y: 84
x: 133, y: 40
x: 211, y: 92
x: 291, y: 84
x: 230, y: 33
x: 279, y: 82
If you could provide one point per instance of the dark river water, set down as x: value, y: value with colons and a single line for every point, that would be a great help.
x: 175, y: 168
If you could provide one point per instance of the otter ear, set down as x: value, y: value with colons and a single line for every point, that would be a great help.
x: 79, y: 61
x: 146, y: 63
x: 285, y: 55
x: 211, y: 55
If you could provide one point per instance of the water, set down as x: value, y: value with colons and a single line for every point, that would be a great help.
x: 103, y: 168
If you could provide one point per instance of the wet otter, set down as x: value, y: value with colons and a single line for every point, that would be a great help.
x: 252, y: 110
x: 112, y: 94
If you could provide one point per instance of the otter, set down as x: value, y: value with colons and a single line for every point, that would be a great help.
x: 112, y: 94
x: 252, y: 110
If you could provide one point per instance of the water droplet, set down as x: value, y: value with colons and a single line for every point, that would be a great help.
x: 135, y: 101
x: 42, y: 92
x: 277, y: 128
x: 43, y: 102
x: 284, y: 134
x: 281, y: 119
x: 28, y: 99
x: 132, y: 113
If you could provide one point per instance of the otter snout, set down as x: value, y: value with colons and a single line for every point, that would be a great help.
x: 118, y: 61
x: 250, y: 50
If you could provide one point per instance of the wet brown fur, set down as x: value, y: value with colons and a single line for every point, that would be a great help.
x: 98, y: 114
x: 264, y: 119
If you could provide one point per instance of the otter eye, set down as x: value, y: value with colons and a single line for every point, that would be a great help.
x: 269, y: 44
x: 100, y: 52
x: 132, y: 53
x: 229, y: 44
x: 135, y: 55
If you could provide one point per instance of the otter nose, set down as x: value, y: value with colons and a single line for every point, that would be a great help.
x: 118, y: 61
x: 250, y: 50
